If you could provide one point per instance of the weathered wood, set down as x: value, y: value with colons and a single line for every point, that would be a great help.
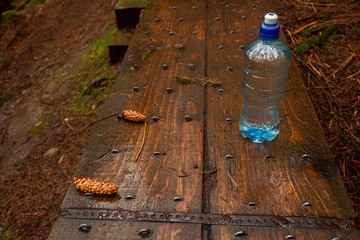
x: 282, y: 183
x: 69, y: 229
x: 255, y: 233
x: 127, y: 12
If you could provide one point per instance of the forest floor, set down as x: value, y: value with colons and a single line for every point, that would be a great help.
x: 55, y: 73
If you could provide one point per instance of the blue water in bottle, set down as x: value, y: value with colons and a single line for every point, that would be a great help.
x: 266, y: 67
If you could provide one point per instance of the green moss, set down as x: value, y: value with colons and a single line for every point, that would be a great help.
x: 9, y: 13
x: 335, y: 37
x: 6, y: 234
x: 4, y: 201
x: 93, y: 76
x: 35, y: 2
x: 317, y: 40
x: 10, y: 94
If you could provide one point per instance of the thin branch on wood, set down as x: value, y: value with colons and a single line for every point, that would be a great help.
x: 212, y: 171
x: 67, y: 123
x: 142, y: 144
x: 121, y: 94
x: 353, y: 74
x: 100, y: 119
x: 199, y: 81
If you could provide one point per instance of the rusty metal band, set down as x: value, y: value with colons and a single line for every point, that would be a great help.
x: 212, y: 219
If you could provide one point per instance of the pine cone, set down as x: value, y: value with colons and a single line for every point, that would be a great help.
x: 133, y: 116
x: 95, y: 186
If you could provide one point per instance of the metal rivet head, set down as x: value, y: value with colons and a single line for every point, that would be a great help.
x: 152, y: 48
x: 240, y: 234
x: 176, y: 57
x: 229, y: 69
x: 115, y: 151
x: 154, y: 8
x: 171, y: 33
x: 136, y: 89
x: 229, y: 156
x: 164, y: 67
x: 88, y: 194
x: 195, y: 166
x: 178, y: 199
x: 156, y: 154
x: 192, y: 66
x: 84, y: 227
x: 336, y: 238
x: 253, y: 5
x: 157, y: 20
x: 194, y: 7
x: 173, y: 8
x: 217, y: 18
x: 243, y: 17
x: 220, y: 47
x: 194, y: 32
x: 146, y: 33
x: 188, y: 118
x: 145, y: 233
x: 232, y: 32
x: 306, y: 157
x: 267, y: 157
x: 129, y: 197
x: 135, y: 67
x: 220, y: 90
x: 155, y: 118
x: 181, y: 19
x: 241, y: 47
x: 306, y: 204
x: 290, y: 237
x: 180, y: 48
x: 169, y: 90
x: 253, y: 204
x: 229, y: 120
x: 227, y: 6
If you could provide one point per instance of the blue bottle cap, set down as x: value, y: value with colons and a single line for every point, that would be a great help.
x: 270, y: 27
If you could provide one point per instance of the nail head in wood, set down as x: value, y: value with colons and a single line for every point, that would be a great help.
x: 84, y: 227
x: 181, y: 49
x: 217, y: 19
x: 290, y: 237
x: 267, y: 157
x: 188, y: 118
x: 129, y: 197
x: 181, y: 19
x: 115, y: 151
x: 229, y: 120
x: 192, y: 66
x: 242, y: 17
x: 229, y: 69
x: 136, y: 89
x: 240, y: 234
x: 88, y: 194
x: 232, y: 32
x: 194, y: 32
x: 169, y: 90
x: 220, y: 90
x: 306, y: 158
x: 145, y: 233
x: 164, y: 67
x: 178, y: 199
x: 157, y: 20
x: 227, y: 6
x: 229, y: 156
x: 155, y: 118
x: 306, y: 205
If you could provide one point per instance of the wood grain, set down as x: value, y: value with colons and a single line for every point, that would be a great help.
x: 152, y: 180
x: 257, y: 233
x: 69, y: 229
x: 281, y: 184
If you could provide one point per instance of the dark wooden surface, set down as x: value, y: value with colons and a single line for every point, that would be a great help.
x: 254, y: 233
x: 278, y: 185
x: 66, y: 229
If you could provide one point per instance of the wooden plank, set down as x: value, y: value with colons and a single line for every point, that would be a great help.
x: 154, y: 181
x: 119, y: 45
x: 282, y: 183
x: 69, y: 229
x: 127, y: 12
x: 257, y: 233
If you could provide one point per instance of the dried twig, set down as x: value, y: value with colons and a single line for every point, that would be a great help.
x: 199, y: 81
x: 121, y: 94
x: 306, y: 26
x: 66, y: 120
x: 212, y: 171
x: 183, y: 174
x: 316, y: 4
x: 60, y: 160
x: 343, y: 65
x: 353, y: 74
x: 142, y: 144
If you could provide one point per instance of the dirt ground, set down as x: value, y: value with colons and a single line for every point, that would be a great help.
x: 46, y: 50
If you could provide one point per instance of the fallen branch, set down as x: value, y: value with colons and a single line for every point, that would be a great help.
x: 343, y: 65
x: 306, y: 26
x: 142, y: 145
x: 199, y: 81
x: 316, y: 4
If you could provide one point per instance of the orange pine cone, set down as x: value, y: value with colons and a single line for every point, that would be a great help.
x: 133, y: 116
x: 95, y: 186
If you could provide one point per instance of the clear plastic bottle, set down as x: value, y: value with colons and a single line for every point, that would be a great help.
x: 266, y: 67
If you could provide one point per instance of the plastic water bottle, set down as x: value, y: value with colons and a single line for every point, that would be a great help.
x: 266, y: 67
